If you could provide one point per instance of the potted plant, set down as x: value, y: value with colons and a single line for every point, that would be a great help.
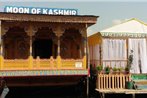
x: 120, y: 69
x: 127, y: 69
x: 114, y: 69
x: 107, y: 69
x: 99, y: 68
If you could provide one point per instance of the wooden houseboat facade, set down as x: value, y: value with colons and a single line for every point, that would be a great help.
x: 43, y: 49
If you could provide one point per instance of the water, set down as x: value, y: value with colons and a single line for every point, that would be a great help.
x: 45, y: 92
x: 59, y: 92
x: 72, y: 91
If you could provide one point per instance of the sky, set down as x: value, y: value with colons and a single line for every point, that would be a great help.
x: 110, y: 12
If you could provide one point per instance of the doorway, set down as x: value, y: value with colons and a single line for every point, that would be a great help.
x: 42, y: 48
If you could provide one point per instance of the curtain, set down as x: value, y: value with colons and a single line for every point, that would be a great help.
x: 114, y: 50
x: 95, y: 54
x: 139, y: 48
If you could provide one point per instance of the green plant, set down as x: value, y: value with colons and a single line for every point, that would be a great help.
x: 107, y: 69
x: 130, y: 61
x: 114, y: 69
x: 99, y: 68
x: 120, y: 69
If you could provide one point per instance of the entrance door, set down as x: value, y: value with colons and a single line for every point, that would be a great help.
x: 42, y: 48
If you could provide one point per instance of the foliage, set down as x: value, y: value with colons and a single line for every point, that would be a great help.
x: 114, y: 68
x: 130, y: 61
x: 120, y: 69
x: 107, y: 69
x: 99, y: 68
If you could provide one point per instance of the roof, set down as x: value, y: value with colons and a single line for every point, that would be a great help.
x: 132, y: 28
x: 94, y: 39
x: 89, y: 19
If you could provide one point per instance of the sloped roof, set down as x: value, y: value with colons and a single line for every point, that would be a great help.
x: 131, y: 28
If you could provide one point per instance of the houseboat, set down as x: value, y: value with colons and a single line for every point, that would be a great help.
x: 40, y: 50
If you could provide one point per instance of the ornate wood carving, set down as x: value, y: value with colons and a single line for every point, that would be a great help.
x: 4, y: 29
x: 49, y: 18
x: 58, y: 30
x: 83, y: 31
x: 31, y: 30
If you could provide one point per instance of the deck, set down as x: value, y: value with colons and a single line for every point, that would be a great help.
x: 121, y: 91
x: 116, y: 84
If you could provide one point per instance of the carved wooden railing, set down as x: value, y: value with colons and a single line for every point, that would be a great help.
x: 33, y: 64
x: 15, y: 64
x: 112, y: 81
x: 44, y: 63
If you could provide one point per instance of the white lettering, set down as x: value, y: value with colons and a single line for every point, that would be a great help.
x: 15, y: 10
x: 55, y: 12
x: 26, y: 10
x: 66, y: 12
x: 33, y: 11
x: 44, y: 11
x: 70, y: 12
x: 38, y: 11
x: 50, y: 12
x: 74, y: 12
x: 9, y: 9
x: 20, y: 10
x: 60, y: 12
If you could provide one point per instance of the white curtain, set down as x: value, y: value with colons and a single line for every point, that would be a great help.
x: 114, y: 49
x: 139, y: 48
x: 95, y: 54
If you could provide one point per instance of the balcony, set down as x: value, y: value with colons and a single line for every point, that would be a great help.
x: 42, y: 64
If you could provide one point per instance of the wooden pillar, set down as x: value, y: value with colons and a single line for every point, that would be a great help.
x: 30, y: 46
x: 133, y: 95
x: 127, y: 51
x: 102, y: 95
x: 100, y: 52
x: 3, y: 30
x: 58, y: 32
x: 30, y: 32
x: 83, y: 32
x: 1, y: 48
x: 1, y: 40
x: 58, y: 52
x: 86, y: 61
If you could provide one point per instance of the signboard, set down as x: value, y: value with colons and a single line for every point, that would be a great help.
x: 78, y: 64
x: 36, y: 10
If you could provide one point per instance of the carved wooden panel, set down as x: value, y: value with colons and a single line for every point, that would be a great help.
x: 71, y: 44
x: 16, y: 44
